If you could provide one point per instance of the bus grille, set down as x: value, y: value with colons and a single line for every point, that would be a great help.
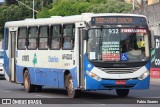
x: 119, y: 70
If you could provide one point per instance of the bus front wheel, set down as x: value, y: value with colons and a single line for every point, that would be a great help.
x: 69, y: 86
x: 122, y: 92
x: 28, y: 87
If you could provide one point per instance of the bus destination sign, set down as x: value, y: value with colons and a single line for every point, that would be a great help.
x: 118, y: 20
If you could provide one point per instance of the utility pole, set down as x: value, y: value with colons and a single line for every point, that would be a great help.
x: 133, y: 4
x: 42, y: 4
x: 28, y: 7
x: 33, y: 9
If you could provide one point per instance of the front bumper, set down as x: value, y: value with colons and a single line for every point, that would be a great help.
x: 92, y: 84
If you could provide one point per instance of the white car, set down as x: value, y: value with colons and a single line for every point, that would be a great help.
x: 1, y: 63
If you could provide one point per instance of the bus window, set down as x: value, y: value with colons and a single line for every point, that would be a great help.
x: 94, y: 44
x: 22, y: 34
x: 33, y: 36
x: 43, y: 34
x: 55, y: 37
x: 68, y: 36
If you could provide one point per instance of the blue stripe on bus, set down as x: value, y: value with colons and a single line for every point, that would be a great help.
x: 148, y: 65
x: 92, y: 84
x: 55, y: 77
x: 6, y: 64
x: 46, y: 76
x: 87, y: 65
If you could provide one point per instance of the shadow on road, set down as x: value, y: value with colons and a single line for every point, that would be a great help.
x: 84, y: 94
x: 2, y: 77
x: 89, y: 97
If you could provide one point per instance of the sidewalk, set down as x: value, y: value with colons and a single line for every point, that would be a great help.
x: 155, y: 81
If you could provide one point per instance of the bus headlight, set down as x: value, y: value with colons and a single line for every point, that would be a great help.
x: 93, y: 75
x: 143, y: 76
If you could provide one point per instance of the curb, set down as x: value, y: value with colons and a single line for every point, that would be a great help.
x: 155, y: 81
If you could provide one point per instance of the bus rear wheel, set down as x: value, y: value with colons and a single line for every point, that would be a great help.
x: 38, y: 88
x: 72, y: 93
x: 28, y: 87
x: 122, y: 92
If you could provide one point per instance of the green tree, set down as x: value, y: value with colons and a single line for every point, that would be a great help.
x: 43, y: 14
x: 9, y: 2
x: 69, y: 7
x: 109, y: 6
x: 13, y: 11
x: 73, y: 7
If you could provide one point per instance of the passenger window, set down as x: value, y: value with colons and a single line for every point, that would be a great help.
x: 43, y: 34
x: 22, y: 37
x: 68, y: 36
x: 55, y: 37
x: 33, y: 37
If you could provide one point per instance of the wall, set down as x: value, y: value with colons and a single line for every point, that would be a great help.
x: 153, y: 14
x: 152, y: 1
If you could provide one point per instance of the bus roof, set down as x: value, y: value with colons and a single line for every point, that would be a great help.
x: 63, y: 20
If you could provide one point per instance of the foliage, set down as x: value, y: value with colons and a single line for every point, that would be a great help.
x: 44, y: 13
x: 13, y: 10
x: 12, y: 13
x: 109, y: 6
x: 74, y: 7
x: 9, y: 2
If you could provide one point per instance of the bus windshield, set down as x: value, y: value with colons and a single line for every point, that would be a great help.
x: 118, y: 44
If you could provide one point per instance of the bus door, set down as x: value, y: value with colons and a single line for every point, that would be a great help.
x: 12, y: 55
x: 81, y: 58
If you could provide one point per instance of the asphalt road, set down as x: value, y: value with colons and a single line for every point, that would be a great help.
x: 93, y: 98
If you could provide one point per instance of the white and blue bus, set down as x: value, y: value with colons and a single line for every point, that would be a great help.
x: 79, y: 53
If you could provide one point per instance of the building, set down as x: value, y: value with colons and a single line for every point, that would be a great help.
x: 143, y: 2
x: 153, y: 1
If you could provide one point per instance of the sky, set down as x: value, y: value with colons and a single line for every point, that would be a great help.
x: 1, y: 0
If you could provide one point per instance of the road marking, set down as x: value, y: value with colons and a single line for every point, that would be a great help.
x: 103, y: 104
x: 5, y: 91
x: 150, y: 97
x: 43, y: 96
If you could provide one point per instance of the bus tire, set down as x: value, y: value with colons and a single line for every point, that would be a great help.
x: 122, y: 92
x: 38, y: 88
x: 28, y: 87
x: 72, y: 93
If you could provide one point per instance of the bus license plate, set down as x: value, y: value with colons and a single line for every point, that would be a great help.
x: 121, y: 82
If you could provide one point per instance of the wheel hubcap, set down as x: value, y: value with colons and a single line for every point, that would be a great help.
x: 26, y: 81
x: 70, y: 87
